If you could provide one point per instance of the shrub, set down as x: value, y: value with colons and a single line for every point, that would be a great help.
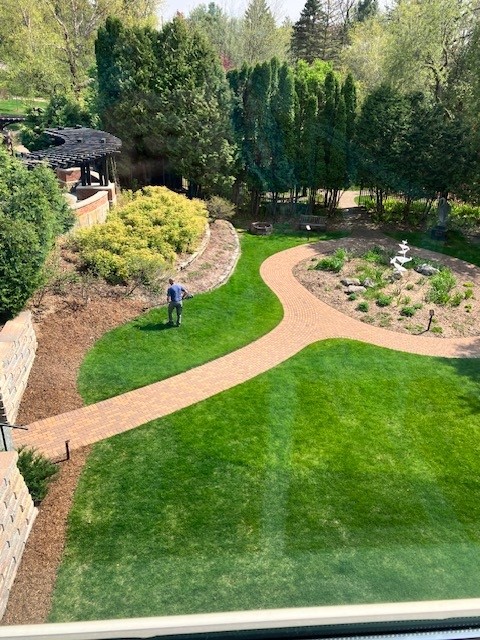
x: 468, y: 294
x: 372, y: 273
x: 20, y: 264
x: 151, y: 227
x: 220, y: 209
x: 408, y: 312
x: 456, y: 299
x: 465, y: 215
x: 437, y: 330
x: 37, y: 471
x: 352, y: 296
x: 378, y: 255
x: 440, y: 286
x: 383, y: 300
x: 33, y: 212
x: 363, y: 306
x: 333, y: 263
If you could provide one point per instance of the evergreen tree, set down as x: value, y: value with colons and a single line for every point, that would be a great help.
x: 337, y: 171
x: 256, y: 144
x: 222, y: 31
x: 258, y: 33
x: 308, y: 36
x: 281, y: 132
x: 379, y: 139
x: 365, y: 9
x: 349, y: 94
x: 165, y: 94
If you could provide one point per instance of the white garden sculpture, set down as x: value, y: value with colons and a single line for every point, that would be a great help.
x: 399, y: 260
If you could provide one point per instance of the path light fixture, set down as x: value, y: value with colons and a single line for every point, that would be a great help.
x: 431, y: 313
x: 308, y: 228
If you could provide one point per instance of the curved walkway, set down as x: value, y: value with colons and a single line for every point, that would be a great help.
x: 306, y: 320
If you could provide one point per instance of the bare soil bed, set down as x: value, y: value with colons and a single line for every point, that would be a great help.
x: 410, y: 292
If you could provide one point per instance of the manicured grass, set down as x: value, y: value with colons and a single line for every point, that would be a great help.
x: 147, y: 349
x: 19, y: 107
x: 347, y: 474
x: 456, y: 244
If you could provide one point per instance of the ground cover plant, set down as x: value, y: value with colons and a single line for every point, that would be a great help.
x: 347, y: 474
x: 147, y: 350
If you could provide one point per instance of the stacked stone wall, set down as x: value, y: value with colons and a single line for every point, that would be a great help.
x: 18, y: 344
x: 17, y: 515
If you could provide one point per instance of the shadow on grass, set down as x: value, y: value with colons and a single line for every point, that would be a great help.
x: 157, y: 326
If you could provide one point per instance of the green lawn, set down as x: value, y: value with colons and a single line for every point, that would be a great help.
x: 147, y: 349
x: 19, y: 107
x: 347, y: 474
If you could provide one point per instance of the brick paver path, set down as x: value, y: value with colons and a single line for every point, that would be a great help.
x: 306, y: 320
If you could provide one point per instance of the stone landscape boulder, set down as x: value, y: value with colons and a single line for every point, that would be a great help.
x: 426, y: 269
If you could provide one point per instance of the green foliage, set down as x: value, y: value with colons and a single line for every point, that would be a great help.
x: 436, y: 329
x: 61, y: 111
x: 378, y: 255
x: 333, y: 263
x: 219, y: 208
x: 21, y: 260
x: 309, y: 34
x: 363, y: 306
x: 383, y: 300
x: 352, y: 297
x: 468, y: 294
x: 465, y: 216
x: 37, y: 471
x: 142, y: 237
x: 371, y: 272
x: 258, y: 35
x: 456, y: 298
x: 408, y: 312
x: 33, y: 212
x: 440, y: 286
x: 165, y: 94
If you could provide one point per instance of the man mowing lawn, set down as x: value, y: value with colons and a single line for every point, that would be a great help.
x: 175, y: 295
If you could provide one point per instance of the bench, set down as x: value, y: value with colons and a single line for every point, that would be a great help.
x: 317, y: 223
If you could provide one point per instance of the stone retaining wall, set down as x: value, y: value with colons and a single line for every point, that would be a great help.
x: 17, y: 515
x: 18, y: 344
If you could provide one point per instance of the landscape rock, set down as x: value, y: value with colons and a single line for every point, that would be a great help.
x: 355, y: 288
x: 395, y: 276
x: 426, y: 269
x: 350, y: 281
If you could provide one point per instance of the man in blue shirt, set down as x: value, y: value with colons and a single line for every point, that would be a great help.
x: 175, y: 295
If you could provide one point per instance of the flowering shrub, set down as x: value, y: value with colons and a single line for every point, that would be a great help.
x: 149, y: 230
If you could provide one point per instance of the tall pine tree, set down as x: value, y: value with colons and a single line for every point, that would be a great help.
x: 308, y: 36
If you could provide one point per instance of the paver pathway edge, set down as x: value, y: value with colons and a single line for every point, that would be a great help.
x: 306, y: 320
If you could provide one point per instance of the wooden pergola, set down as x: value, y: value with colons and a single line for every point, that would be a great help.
x: 89, y: 149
